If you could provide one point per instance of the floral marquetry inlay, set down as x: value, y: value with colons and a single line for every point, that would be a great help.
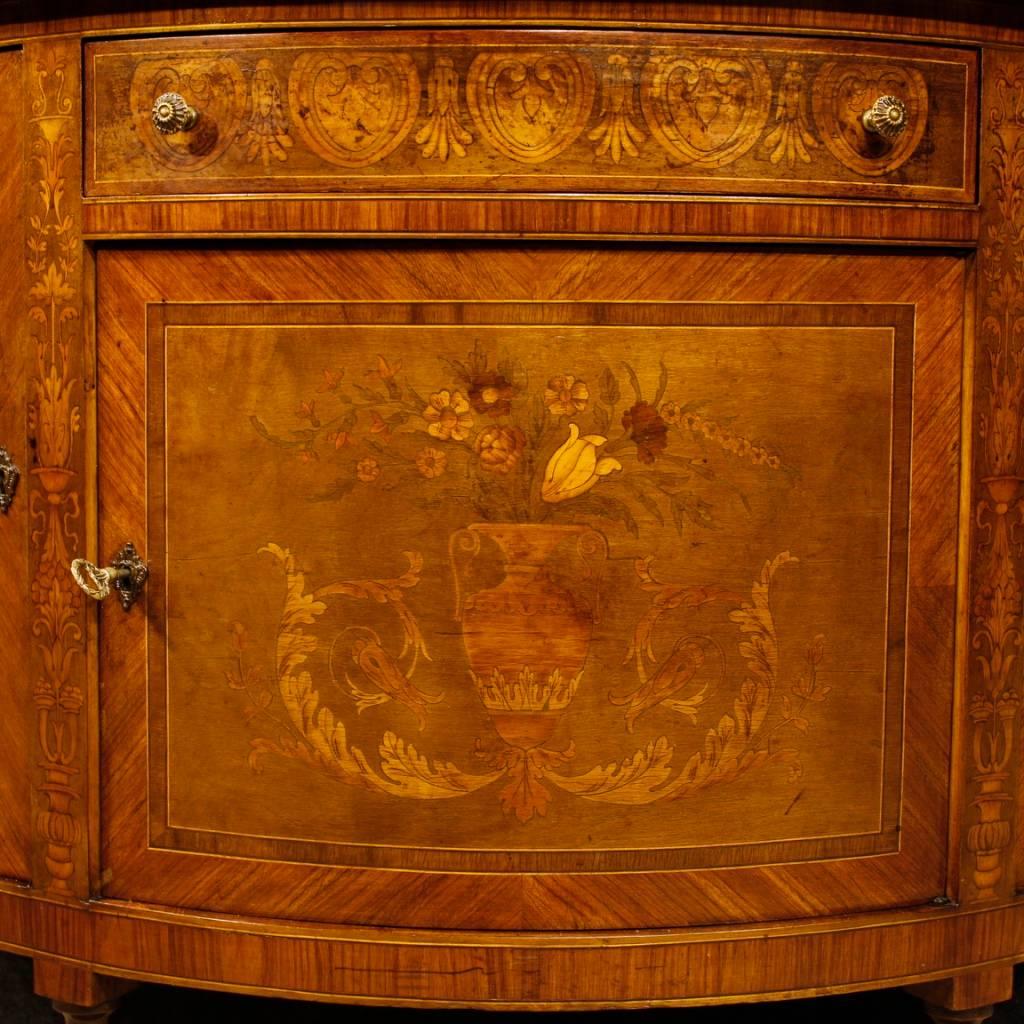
x: 55, y: 500
x: 565, y: 568
x: 547, y: 495
x: 997, y: 627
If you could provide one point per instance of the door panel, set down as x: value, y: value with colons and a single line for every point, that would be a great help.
x: 15, y: 631
x: 584, y: 588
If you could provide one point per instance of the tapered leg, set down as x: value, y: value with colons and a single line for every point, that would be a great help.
x: 943, y: 1016
x: 80, y: 996
x: 85, y: 1014
x: 968, y: 997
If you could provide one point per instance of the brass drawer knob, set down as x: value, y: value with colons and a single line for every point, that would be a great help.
x: 887, y: 117
x: 127, y: 574
x: 9, y: 474
x: 172, y: 114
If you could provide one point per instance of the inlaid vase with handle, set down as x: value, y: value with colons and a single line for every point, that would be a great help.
x: 527, y: 638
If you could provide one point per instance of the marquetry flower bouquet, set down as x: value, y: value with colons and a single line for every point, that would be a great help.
x: 522, y: 451
x: 541, y: 469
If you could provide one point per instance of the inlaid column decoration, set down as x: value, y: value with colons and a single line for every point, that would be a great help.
x: 55, y: 484
x: 995, y: 632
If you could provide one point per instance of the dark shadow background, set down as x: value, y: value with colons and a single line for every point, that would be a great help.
x: 155, y: 1004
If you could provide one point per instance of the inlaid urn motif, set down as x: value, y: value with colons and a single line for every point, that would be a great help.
x: 527, y: 639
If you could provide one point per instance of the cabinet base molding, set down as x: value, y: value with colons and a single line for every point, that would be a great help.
x: 106, y: 942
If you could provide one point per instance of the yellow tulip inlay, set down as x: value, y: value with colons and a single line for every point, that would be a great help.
x: 575, y: 467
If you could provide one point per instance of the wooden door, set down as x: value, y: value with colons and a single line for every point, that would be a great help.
x: 26, y: 617
x: 529, y: 587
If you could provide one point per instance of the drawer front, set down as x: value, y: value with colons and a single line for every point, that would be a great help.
x: 529, y: 588
x: 534, y: 111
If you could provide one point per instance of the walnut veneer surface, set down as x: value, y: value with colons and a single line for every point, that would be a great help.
x: 577, y: 453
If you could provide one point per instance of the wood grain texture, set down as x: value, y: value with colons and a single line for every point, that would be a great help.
x: 992, y: 21
x: 531, y: 217
x: 514, y: 111
x: 515, y: 971
x: 15, y: 641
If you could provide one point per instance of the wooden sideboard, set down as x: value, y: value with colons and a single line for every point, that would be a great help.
x: 549, y: 475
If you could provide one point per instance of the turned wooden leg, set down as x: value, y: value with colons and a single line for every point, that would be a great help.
x: 941, y: 1015
x: 82, y: 1014
x: 77, y: 994
x: 968, y: 997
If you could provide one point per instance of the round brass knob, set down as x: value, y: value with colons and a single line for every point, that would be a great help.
x: 127, y: 575
x: 172, y: 114
x: 887, y: 117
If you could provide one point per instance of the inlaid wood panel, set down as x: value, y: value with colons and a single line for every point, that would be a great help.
x: 539, y: 111
x: 558, y: 679
x: 992, y: 625
x: 58, y: 418
x: 15, y: 640
x: 452, y: 577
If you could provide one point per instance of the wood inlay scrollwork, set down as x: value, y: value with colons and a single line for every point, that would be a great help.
x: 530, y: 105
x: 706, y: 109
x: 843, y: 91
x: 55, y: 480
x: 213, y: 86
x: 996, y: 626
x: 354, y: 108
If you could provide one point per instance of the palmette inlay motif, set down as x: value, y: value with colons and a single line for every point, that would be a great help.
x: 529, y: 582
x: 267, y: 134
x: 792, y: 138
x: 55, y: 502
x: 618, y: 133
x: 444, y: 133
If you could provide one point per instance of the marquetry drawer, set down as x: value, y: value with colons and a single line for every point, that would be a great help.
x: 544, y: 111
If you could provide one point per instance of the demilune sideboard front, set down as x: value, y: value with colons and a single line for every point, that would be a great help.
x: 513, y: 506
